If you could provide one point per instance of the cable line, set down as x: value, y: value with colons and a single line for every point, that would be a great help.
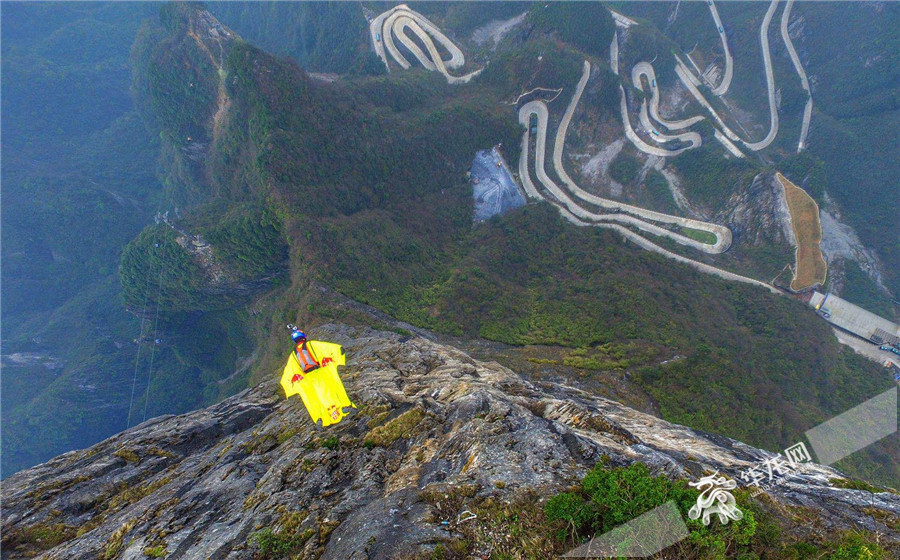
x: 137, y: 359
x: 153, y: 348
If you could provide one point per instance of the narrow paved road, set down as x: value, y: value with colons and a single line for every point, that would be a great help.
x: 770, y: 81
x: 807, y: 111
x: 729, y: 145
x: 375, y: 28
x: 690, y: 82
x: 722, y: 88
x: 646, y: 70
x: 622, y: 21
x: 614, y: 53
x: 684, y: 74
x: 635, y: 139
x: 722, y: 233
x: 401, y: 19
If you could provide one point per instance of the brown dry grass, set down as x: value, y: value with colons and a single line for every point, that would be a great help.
x: 810, y: 267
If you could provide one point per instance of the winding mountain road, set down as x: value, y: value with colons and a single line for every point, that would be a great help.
x: 725, y: 135
x: 400, y: 20
x: 690, y: 82
x: 722, y: 233
x: 539, y: 108
x: 770, y: 81
x: 646, y: 69
x: 637, y: 140
x: 807, y: 111
x: 722, y: 88
x: 619, y: 210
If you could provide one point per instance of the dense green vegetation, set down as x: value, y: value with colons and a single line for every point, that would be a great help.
x: 659, y: 196
x: 201, y: 271
x: 586, y: 26
x: 78, y: 183
x: 75, y: 168
x: 156, y: 267
x: 374, y: 203
x: 709, y: 179
x: 608, y: 497
x: 182, y: 88
x: 625, y: 168
x: 249, y: 240
x: 862, y: 290
x: 320, y: 36
x: 518, y: 70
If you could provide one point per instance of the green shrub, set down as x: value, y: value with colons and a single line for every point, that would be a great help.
x: 624, y: 168
x: 586, y: 25
x: 856, y: 546
x: 283, y: 543
x: 608, y: 498
x: 156, y: 552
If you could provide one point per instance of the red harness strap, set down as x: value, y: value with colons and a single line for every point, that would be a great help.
x: 306, y: 358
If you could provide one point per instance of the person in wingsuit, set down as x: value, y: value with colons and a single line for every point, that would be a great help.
x: 311, y: 372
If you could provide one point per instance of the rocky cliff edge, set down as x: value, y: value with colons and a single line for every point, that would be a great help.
x: 435, y: 431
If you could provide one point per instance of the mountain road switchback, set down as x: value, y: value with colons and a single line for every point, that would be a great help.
x: 580, y: 216
x: 400, y: 20
x: 626, y: 233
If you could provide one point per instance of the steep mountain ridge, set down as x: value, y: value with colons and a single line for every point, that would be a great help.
x: 359, y: 184
x: 436, y: 434
x: 365, y: 182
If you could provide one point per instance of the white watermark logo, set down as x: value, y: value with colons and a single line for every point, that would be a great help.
x: 715, y: 499
x: 797, y: 453
x: 774, y: 470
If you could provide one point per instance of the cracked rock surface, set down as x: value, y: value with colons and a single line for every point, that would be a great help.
x: 430, y: 419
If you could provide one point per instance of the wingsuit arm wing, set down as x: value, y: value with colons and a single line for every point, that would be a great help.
x: 296, y: 382
x: 331, y: 350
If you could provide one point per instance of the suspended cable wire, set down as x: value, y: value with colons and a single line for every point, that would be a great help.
x: 137, y: 359
x: 153, y: 348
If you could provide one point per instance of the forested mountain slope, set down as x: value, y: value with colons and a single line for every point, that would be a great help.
x: 364, y: 182
x: 78, y: 183
x: 281, y: 187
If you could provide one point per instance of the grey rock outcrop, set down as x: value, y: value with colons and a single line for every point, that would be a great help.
x: 430, y: 420
x: 758, y: 214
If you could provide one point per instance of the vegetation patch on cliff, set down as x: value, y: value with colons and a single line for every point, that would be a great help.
x: 810, y: 267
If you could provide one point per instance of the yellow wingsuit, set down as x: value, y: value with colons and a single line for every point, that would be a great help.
x: 321, y: 389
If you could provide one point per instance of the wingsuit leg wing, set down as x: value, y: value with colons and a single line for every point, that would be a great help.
x: 296, y: 382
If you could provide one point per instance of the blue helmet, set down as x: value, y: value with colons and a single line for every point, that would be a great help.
x: 298, y: 336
